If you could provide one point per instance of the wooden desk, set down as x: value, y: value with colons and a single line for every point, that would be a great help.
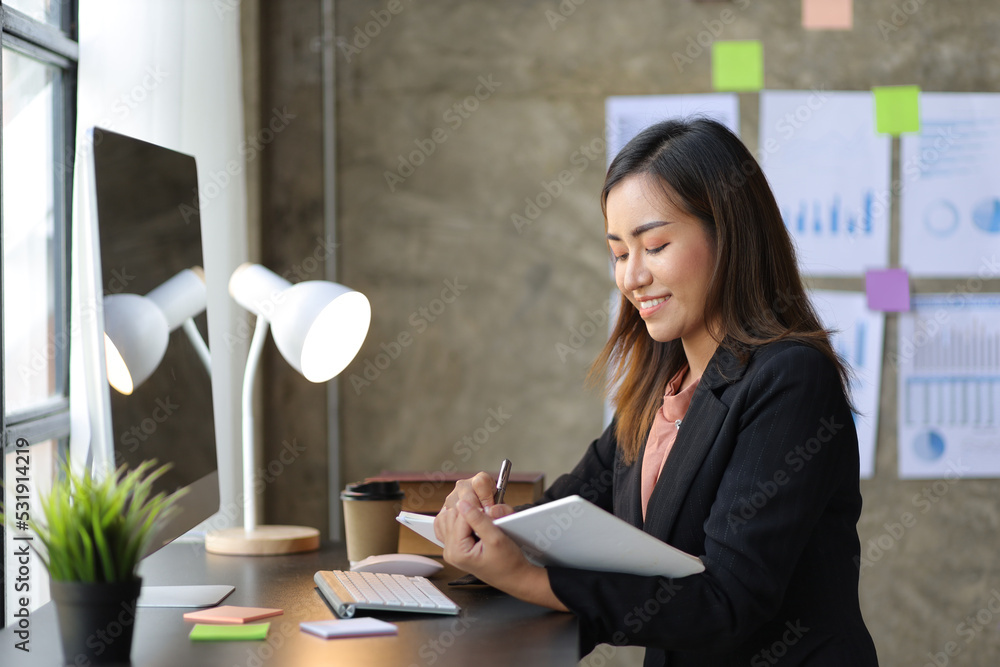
x: 493, y: 628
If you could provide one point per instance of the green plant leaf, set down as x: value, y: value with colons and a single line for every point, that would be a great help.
x: 101, y: 541
x: 91, y: 529
x: 86, y: 568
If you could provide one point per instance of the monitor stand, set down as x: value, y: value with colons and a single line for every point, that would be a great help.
x: 183, y: 596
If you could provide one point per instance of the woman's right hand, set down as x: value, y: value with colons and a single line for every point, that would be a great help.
x: 478, y: 492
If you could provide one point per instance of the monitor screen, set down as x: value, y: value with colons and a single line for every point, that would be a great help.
x: 150, y: 266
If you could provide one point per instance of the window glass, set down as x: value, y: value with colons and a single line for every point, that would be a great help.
x: 31, y: 330
x: 30, y: 470
x: 47, y: 11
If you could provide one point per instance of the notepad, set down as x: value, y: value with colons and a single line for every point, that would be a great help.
x: 229, y: 633
x: 572, y: 532
x: 350, y: 627
x: 229, y: 614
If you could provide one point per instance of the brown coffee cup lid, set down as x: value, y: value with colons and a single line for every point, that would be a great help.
x: 372, y: 491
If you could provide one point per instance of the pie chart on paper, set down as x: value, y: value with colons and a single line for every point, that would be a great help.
x: 941, y: 218
x: 928, y: 446
x: 986, y: 215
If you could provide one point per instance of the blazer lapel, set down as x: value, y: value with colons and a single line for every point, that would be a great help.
x: 695, y: 438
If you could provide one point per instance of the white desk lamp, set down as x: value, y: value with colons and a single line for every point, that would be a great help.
x: 137, y: 328
x: 318, y: 327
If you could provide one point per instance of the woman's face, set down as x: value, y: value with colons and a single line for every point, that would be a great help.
x: 663, y: 260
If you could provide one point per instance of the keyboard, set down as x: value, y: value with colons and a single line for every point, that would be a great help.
x: 347, y: 591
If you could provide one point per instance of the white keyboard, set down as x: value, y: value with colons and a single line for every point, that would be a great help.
x: 347, y: 591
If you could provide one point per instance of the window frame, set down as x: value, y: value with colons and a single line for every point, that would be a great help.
x: 50, y: 419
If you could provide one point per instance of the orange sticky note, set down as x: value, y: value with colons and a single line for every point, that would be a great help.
x: 827, y: 14
x: 230, y: 615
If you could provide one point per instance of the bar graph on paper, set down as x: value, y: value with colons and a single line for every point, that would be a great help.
x: 830, y: 174
x: 949, y: 387
x: 857, y: 338
x: 831, y: 219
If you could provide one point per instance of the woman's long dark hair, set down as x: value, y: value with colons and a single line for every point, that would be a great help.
x: 755, y: 295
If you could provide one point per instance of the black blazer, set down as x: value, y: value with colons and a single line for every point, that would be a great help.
x: 762, y: 485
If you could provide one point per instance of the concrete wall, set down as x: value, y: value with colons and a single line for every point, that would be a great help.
x: 480, y: 325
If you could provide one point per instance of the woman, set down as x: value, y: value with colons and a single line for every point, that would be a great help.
x: 733, y: 438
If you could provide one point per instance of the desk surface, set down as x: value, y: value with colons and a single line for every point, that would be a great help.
x: 493, y: 628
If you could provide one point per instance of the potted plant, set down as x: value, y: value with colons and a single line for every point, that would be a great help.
x: 92, y: 534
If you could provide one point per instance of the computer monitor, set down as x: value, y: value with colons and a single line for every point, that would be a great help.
x: 143, y: 239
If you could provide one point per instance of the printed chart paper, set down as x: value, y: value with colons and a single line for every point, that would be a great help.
x: 626, y: 116
x: 858, y: 340
x: 830, y: 173
x: 950, y: 202
x: 949, y: 387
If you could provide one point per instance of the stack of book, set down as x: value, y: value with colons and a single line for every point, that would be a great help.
x: 425, y: 493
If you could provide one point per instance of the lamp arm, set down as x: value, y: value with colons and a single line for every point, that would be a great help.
x: 199, y: 344
x: 249, y: 497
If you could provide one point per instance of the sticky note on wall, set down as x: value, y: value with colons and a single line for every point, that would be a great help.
x: 738, y: 66
x: 897, y: 109
x: 827, y: 14
x: 888, y: 290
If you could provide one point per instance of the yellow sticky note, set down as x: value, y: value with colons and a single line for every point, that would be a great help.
x: 897, y: 109
x: 738, y: 66
x: 828, y: 14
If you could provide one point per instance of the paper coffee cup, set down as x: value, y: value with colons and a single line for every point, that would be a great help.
x: 370, y: 510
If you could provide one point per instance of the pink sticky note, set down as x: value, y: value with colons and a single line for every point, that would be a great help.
x: 888, y: 290
x: 827, y: 14
x: 228, y: 614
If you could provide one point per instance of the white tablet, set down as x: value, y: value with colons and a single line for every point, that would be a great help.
x: 572, y: 532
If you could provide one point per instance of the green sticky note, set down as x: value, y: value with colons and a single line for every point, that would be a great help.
x: 738, y: 66
x: 897, y: 109
x: 228, y: 633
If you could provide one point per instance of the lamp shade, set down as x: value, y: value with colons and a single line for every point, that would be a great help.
x: 135, y: 339
x: 137, y: 328
x: 318, y: 326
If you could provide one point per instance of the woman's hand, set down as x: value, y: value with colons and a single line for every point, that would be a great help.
x: 478, y: 492
x: 473, y: 543
x: 494, y: 558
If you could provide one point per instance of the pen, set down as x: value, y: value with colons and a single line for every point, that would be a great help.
x: 502, y: 482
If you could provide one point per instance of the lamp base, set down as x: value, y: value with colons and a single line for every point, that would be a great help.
x: 262, y: 541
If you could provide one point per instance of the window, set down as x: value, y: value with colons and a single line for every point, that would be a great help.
x: 38, y: 81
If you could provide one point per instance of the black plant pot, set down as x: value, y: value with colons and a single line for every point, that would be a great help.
x: 96, y: 620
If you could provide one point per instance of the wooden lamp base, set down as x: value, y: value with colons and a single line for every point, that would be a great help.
x: 262, y: 541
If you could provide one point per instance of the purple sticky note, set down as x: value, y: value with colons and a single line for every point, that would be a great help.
x: 888, y: 290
